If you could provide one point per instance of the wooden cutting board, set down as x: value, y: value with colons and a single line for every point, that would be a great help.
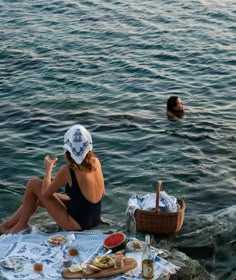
x: 129, y: 263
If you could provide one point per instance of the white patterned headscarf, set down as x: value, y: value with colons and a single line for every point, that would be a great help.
x: 78, y: 142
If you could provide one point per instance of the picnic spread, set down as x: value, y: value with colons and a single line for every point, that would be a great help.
x: 21, y: 252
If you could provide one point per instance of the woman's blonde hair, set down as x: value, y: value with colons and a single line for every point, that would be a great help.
x: 88, y: 164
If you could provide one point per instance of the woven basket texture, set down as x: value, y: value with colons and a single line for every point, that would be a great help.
x: 157, y: 222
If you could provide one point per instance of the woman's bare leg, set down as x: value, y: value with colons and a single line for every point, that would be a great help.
x: 54, y: 205
x: 29, y: 204
x: 13, y: 220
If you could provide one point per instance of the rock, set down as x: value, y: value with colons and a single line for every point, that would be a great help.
x: 189, y: 269
x: 51, y: 227
x: 184, y: 273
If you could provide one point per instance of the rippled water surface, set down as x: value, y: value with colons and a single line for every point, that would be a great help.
x: 111, y: 65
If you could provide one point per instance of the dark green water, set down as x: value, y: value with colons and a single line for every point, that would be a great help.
x: 110, y: 66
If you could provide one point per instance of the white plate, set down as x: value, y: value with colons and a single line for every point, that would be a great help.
x: 57, y: 238
x: 135, y: 246
x: 12, y: 262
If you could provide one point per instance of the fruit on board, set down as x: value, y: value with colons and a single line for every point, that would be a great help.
x: 115, y: 241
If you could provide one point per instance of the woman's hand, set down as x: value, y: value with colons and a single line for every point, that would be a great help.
x: 49, y: 162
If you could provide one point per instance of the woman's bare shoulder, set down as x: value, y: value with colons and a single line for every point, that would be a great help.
x: 64, y: 169
x: 97, y: 161
x: 63, y: 172
x: 171, y: 115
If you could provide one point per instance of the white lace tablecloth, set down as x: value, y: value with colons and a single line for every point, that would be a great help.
x: 32, y: 246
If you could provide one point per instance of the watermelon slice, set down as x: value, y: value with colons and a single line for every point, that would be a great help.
x: 115, y: 241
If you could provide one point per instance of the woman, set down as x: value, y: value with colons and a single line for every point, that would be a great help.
x: 175, y: 108
x: 80, y: 208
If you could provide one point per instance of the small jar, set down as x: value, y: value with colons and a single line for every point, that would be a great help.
x: 38, y: 267
x: 73, y: 252
x: 119, y: 261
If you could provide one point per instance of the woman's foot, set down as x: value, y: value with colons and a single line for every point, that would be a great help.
x: 4, y: 228
x: 18, y: 228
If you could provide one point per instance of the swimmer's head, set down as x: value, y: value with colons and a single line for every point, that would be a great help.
x: 175, y: 108
x: 174, y: 104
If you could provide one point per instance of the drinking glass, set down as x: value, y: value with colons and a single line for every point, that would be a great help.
x: 38, y: 267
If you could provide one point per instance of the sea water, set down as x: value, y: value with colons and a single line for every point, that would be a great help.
x: 111, y: 66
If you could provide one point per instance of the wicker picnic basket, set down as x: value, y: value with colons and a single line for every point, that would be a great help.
x: 158, y: 222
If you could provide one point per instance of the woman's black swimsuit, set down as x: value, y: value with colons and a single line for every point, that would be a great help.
x: 87, y: 214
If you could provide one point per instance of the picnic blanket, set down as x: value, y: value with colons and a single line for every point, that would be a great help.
x: 32, y: 246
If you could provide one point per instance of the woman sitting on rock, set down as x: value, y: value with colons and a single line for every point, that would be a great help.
x: 80, y: 208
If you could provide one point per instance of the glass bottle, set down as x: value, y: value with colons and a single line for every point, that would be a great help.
x: 131, y: 224
x: 147, y: 260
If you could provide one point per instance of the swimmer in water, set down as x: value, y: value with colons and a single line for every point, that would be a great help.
x: 175, y: 108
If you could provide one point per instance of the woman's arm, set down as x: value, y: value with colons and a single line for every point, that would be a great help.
x: 50, y: 187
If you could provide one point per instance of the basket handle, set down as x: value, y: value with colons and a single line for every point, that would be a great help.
x: 159, y: 186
